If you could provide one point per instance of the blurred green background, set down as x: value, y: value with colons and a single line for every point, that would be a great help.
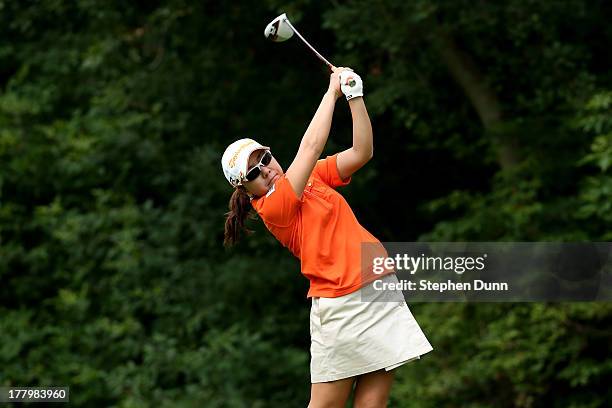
x: 492, y: 122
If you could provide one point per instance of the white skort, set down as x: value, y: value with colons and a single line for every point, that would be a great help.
x: 350, y: 336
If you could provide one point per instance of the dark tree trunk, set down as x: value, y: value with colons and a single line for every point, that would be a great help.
x: 483, y: 99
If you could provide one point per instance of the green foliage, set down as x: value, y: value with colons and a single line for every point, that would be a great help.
x: 522, y: 355
x: 596, y: 189
x: 113, y: 118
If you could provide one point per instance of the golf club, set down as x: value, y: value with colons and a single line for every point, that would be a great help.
x: 281, y: 29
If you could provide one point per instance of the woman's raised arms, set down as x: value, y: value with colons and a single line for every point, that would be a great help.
x: 315, y: 137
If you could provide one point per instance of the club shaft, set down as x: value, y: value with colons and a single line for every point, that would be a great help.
x: 329, y: 64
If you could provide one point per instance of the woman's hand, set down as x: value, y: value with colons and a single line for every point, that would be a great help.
x: 334, y: 81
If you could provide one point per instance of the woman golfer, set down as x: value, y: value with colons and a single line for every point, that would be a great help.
x: 354, y: 342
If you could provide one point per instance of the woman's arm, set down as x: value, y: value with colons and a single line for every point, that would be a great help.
x: 352, y: 159
x: 315, y: 137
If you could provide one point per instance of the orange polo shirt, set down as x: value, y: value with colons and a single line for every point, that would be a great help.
x: 321, y: 230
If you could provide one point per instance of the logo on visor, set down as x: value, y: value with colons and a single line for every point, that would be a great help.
x: 232, y: 161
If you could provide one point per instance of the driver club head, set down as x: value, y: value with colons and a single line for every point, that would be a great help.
x: 281, y: 29
x: 278, y: 30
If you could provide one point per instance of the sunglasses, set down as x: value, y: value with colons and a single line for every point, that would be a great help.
x: 255, y: 171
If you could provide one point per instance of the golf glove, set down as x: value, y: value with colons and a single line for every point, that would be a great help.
x: 351, y: 84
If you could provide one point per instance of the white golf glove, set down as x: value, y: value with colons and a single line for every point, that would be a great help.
x: 351, y: 84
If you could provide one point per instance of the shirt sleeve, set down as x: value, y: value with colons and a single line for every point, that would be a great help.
x: 327, y: 170
x: 280, y: 205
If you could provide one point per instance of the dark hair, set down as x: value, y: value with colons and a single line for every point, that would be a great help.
x: 239, y: 211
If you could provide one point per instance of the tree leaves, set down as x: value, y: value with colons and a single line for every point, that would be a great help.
x: 112, y: 121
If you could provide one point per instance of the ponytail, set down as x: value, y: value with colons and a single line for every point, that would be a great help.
x: 239, y: 210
